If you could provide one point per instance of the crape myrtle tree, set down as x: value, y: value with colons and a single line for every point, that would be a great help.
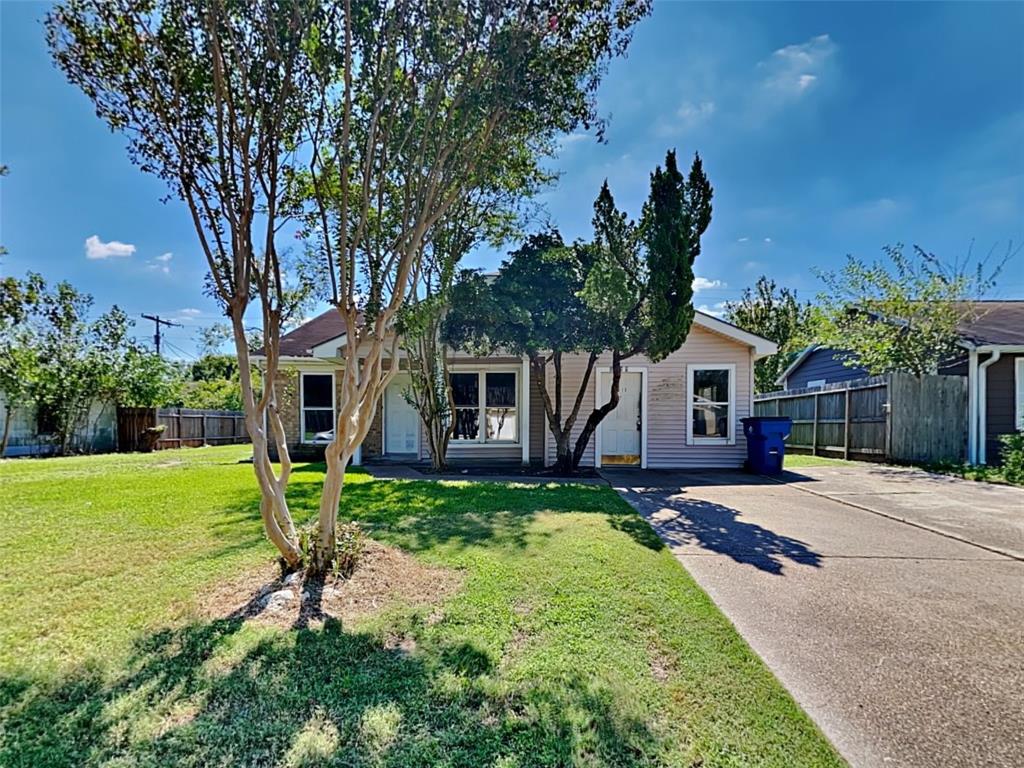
x: 628, y: 292
x: 430, y: 101
x: 367, y: 121
x: 774, y: 313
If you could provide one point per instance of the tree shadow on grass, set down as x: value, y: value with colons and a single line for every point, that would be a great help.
x: 419, y: 515
x: 214, y: 694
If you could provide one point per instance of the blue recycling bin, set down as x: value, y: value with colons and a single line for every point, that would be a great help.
x: 766, y: 442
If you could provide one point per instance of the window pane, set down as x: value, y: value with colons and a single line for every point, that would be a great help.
x: 502, y: 423
x: 711, y: 386
x: 316, y: 391
x: 466, y: 389
x: 501, y: 390
x: 317, y: 420
x: 467, y: 423
x: 711, y: 421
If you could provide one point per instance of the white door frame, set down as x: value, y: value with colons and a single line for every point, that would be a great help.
x: 602, y: 371
x: 384, y: 423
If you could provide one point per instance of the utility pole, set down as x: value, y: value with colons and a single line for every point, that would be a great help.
x: 158, y: 321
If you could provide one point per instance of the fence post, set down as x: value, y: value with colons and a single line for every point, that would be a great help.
x: 814, y: 428
x: 846, y: 426
x: 202, y: 427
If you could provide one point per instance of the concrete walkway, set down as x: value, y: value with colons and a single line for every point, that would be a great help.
x: 906, y: 646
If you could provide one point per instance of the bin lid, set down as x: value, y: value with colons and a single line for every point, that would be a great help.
x: 762, y: 419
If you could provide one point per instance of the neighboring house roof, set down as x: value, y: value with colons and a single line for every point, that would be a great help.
x: 329, y: 327
x: 797, y: 362
x: 997, y: 322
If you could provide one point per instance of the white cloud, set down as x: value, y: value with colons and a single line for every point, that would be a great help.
x: 796, y: 69
x: 743, y: 240
x: 570, y: 139
x: 715, y: 310
x: 190, y: 312
x: 767, y: 239
x: 691, y: 113
x: 703, y: 284
x: 97, y: 249
x: 161, y: 263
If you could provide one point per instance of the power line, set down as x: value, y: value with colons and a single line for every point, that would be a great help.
x: 158, y: 321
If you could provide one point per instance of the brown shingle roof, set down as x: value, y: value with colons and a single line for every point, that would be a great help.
x: 324, y: 327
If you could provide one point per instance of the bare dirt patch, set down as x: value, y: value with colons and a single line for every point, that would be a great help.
x: 385, y: 576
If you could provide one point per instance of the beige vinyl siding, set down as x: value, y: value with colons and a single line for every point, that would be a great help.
x: 667, y: 416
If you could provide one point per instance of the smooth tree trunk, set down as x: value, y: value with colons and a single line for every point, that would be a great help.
x: 261, y: 413
x: 569, y: 453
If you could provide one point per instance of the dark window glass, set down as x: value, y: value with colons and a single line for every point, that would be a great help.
x: 711, y: 386
x: 711, y: 421
x: 467, y: 423
x: 501, y: 390
x: 316, y: 391
x: 46, y: 420
x: 466, y: 389
x: 318, y: 421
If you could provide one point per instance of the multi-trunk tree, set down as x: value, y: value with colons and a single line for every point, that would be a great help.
x: 366, y: 122
x: 626, y: 293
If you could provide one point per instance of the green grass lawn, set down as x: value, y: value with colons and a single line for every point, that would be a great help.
x: 575, y: 638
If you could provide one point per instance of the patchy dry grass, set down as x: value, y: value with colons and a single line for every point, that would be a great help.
x: 494, y: 625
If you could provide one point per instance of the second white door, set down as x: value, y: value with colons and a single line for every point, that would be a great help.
x: 401, y: 428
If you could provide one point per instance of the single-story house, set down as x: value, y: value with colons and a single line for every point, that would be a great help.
x: 992, y: 360
x: 683, y: 411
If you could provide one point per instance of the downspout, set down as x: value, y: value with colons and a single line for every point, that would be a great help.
x: 982, y: 406
x: 972, y: 407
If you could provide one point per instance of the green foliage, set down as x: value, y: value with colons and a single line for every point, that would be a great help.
x: 1012, y: 454
x: 776, y: 314
x: 53, y: 357
x: 350, y: 544
x: 902, y: 313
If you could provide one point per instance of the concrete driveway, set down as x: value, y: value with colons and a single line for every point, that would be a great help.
x: 903, y: 640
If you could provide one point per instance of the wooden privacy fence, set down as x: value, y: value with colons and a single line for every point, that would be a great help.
x: 897, y: 417
x: 183, y: 427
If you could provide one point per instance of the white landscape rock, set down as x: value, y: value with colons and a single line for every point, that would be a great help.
x: 280, y: 599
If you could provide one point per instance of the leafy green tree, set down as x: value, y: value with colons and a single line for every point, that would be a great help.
x: 627, y: 293
x: 19, y: 361
x: 776, y: 314
x: 900, y: 313
x: 395, y: 111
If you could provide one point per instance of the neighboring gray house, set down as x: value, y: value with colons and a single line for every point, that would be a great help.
x: 993, y: 361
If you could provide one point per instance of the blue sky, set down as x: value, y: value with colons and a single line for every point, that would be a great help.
x: 826, y: 129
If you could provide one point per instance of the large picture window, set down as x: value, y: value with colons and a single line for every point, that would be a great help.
x: 317, y: 407
x: 712, y: 403
x: 489, y: 398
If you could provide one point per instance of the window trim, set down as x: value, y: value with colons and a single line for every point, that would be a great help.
x: 481, y: 372
x: 692, y: 439
x: 302, y: 404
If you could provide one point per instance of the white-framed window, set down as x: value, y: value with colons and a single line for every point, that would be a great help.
x: 711, y: 403
x: 316, y: 407
x: 1019, y: 382
x: 486, y: 406
x: 816, y: 384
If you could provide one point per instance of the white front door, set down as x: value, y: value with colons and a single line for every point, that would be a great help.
x: 620, y: 430
x: 401, y: 422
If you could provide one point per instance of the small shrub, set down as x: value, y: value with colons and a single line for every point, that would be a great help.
x: 350, y: 541
x: 1013, y: 458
